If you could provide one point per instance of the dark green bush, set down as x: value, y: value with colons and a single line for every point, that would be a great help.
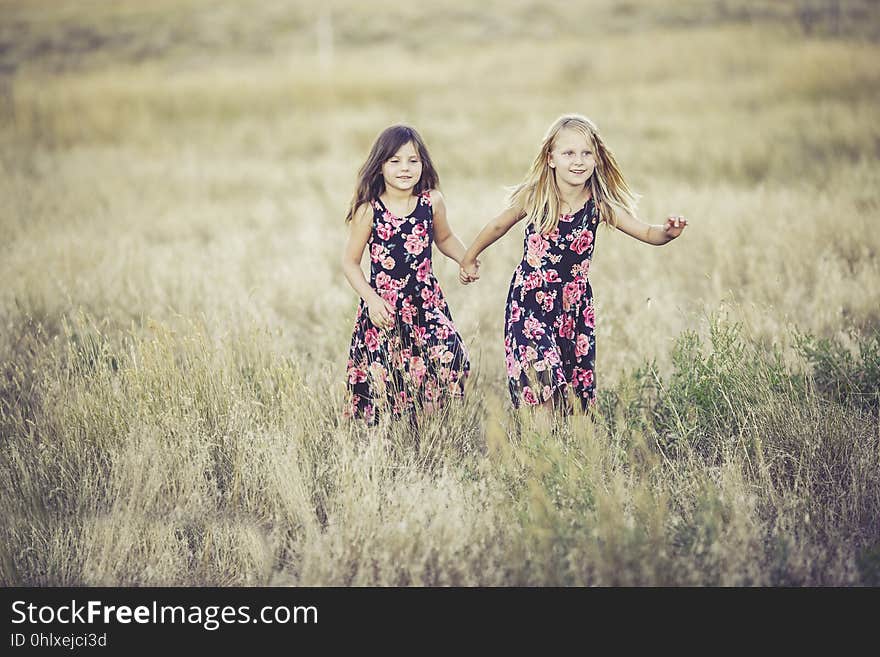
x: 842, y: 375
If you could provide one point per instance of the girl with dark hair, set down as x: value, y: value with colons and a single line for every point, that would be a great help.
x: 406, y: 356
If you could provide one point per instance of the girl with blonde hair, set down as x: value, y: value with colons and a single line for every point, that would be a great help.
x: 573, y: 184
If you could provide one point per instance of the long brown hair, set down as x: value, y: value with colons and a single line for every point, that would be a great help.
x: 371, y: 183
x: 538, y: 194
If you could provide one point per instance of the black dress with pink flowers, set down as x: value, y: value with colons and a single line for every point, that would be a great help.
x: 422, y: 359
x: 548, y: 336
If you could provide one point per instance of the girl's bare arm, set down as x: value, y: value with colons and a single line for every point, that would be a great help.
x: 657, y: 235
x: 491, y: 232
x: 381, y: 312
x: 444, y: 237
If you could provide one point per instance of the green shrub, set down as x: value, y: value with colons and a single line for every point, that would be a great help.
x: 842, y: 375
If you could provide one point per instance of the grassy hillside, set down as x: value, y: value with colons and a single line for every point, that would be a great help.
x: 175, y: 322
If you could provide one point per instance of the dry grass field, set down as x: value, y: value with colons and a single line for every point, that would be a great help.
x: 174, y: 323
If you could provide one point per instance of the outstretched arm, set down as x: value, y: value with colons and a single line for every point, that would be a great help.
x: 444, y: 237
x: 492, y: 231
x: 658, y: 235
x: 381, y: 312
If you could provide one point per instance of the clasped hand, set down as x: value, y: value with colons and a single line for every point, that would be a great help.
x: 469, y: 271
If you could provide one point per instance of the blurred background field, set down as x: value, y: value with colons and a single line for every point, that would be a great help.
x: 174, y: 323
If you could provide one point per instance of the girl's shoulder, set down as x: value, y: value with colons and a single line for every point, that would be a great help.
x: 362, y: 212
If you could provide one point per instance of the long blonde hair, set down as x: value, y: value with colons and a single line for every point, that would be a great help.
x: 538, y: 194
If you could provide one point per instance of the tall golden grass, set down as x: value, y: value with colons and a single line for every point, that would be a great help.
x: 175, y: 325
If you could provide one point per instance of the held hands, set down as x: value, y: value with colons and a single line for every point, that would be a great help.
x: 674, y: 226
x: 469, y: 271
x: 381, y: 312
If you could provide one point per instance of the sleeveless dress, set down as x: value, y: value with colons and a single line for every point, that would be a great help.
x: 422, y: 358
x: 549, y: 343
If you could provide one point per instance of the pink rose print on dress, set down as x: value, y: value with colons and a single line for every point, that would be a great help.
x: 513, y: 367
x: 383, y: 281
x: 514, y: 312
x: 384, y: 231
x: 418, y: 334
x: 388, y: 263
x: 417, y: 369
x: 536, y: 247
x: 371, y: 339
x: 408, y: 311
x: 533, y: 328
x: 423, y: 272
x: 356, y: 374
x: 566, y: 328
x: 582, y: 347
x: 439, y: 301
x: 582, y: 242
x: 429, y: 299
x: 533, y: 281
x: 529, y: 396
x: 560, y: 377
x: 590, y: 316
x: 582, y: 378
x: 415, y: 244
x: 390, y: 296
x: 396, y: 222
x: 571, y: 294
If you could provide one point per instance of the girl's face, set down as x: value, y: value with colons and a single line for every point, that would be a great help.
x: 571, y: 158
x: 403, y: 170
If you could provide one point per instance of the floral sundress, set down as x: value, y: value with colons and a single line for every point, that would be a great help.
x: 422, y: 358
x: 549, y: 341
